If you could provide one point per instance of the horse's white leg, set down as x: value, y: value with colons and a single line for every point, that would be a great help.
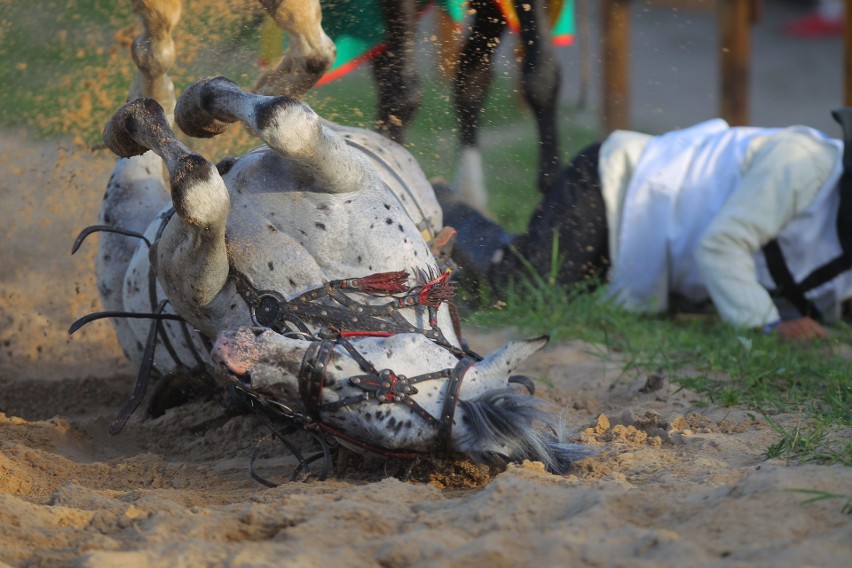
x: 190, y: 261
x: 291, y: 128
x: 469, y: 179
x: 310, y: 53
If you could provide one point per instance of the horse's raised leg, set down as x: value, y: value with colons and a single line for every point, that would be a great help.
x: 190, y: 260
x: 395, y: 69
x: 291, y: 128
x: 310, y: 53
x: 540, y: 80
x: 470, y: 88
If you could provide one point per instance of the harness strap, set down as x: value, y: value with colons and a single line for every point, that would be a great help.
x: 365, y: 365
x: 451, y: 399
x: 142, y: 378
x: 152, y: 288
x: 778, y: 269
x: 785, y: 284
x: 844, y: 215
x: 312, y: 375
x: 384, y: 386
x: 370, y: 447
x: 271, y: 309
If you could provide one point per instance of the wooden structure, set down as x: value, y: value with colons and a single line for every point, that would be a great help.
x: 735, y: 20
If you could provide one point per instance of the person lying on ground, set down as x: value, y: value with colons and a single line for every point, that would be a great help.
x: 757, y: 221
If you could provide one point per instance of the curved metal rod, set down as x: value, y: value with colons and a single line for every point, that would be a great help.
x: 142, y: 379
x: 303, y: 466
x: 304, y: 462
x: 524, y: 381
x: 254, y: 475
x: 115, y: 314
x: 106, y: 229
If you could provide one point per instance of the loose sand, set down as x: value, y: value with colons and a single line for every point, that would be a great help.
x: 674, y: 486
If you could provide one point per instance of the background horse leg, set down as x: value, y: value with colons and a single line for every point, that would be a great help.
x: 153, y: 51
x: 540, y: 79
x: 135, y: 192
x: 310, y: 53
x: 395, y: 69
x: 470, y: 87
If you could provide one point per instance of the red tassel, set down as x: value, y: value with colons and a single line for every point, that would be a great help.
x: 436, y: 291
x: 380, y: 283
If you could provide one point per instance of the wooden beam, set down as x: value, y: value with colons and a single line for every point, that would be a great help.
x: 616, y: 64
x: 735, y: 17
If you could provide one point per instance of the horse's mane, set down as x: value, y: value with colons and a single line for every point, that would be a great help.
x: 505, y: 426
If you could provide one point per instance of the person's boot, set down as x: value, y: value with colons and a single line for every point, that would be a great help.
x: 478, y: 239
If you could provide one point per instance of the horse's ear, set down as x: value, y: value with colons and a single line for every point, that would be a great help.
x: 505, y: 360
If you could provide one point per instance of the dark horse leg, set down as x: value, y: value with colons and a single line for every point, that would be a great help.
x: 470, y: 88
x: 395, y: 69
x: 540, y: 82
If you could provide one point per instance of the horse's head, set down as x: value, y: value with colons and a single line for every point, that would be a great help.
x: 400, y: 393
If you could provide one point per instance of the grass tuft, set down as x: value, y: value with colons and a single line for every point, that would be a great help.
x: 819, y: 495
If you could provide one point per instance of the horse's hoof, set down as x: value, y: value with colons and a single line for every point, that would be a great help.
x: 119, y: 132
x: 191, y: 112
x: 180, y: 387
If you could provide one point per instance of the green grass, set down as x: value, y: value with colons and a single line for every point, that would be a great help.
x: 66, y: 73
x: 722, y: 365
x: 818, y: 495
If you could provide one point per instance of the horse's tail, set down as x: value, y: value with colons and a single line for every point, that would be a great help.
x: 508, y: 426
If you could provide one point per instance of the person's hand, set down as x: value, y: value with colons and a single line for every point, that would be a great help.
x: 800, y: 329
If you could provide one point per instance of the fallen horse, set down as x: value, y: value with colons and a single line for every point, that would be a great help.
x: 308, y: 262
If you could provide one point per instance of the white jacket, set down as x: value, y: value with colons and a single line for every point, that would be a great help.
x: 744, y: 188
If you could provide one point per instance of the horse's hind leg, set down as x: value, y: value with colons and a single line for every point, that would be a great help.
x: 540, y: 82
x: 287, y: 126
x: 310, y: 53
x: 395, y: 70
x: 470, y: 88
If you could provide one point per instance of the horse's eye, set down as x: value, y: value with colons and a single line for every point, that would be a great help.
x: 258, y: 331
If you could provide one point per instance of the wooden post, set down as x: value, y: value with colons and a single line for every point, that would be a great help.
x: 847, y: 55
x: 616, y: 65
x: 735, y: 17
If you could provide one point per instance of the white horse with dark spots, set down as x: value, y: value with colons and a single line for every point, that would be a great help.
x: 303, y: 275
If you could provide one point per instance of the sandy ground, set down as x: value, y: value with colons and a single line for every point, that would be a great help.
x: 674, y: 485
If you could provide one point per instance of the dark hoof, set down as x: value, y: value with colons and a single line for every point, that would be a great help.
x: 121, y: 132
x: 180, y: 387
x: 192, y: 110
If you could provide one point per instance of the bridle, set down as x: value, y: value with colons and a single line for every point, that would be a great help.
x: 384, y: 386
